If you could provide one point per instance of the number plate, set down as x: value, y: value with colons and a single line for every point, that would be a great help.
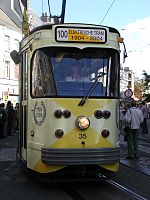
x: 74, y: 34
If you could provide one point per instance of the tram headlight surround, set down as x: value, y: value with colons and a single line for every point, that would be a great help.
x: 82, y: 122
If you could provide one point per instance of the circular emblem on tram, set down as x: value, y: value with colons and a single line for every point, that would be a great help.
x: 39, y: 113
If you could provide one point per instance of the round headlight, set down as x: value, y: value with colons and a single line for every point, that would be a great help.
x: 105, y: 133
x: 66, y: 113
x: 82, y: 122
x: 58, y: 113
x: 59, y: 133
x: 106, y: 114
x: 98, y: 114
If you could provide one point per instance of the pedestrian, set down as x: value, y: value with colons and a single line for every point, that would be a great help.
x: 148, y: 112
x: 123, y: 109
x: 4, y: 109
x: 145, y: 112
x: 2, y: 121
x: 17, y: 117
x: 121, y: 116
x: 9, y: 118
x: 134, y: 117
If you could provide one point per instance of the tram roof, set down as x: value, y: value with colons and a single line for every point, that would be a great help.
x: 49, y: 26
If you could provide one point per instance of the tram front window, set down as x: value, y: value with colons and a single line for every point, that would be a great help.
x: 71, y: 72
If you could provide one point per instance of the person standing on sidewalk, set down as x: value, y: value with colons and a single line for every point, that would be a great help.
x: 16, y: 117
x: 2, y: 121
x: 10, y: 118
x: 133, y: 116
x: 145, y: 111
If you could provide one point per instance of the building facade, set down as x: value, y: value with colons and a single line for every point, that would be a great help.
x: 10, y: 36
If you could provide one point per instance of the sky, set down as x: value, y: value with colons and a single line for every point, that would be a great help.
x: 130, y: 17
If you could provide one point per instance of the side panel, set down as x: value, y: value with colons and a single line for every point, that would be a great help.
x: 23, y: 107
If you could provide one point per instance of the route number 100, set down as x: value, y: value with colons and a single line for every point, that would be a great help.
x: 62, y: 34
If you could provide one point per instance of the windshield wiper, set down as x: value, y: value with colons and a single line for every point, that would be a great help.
x: 92, y: 88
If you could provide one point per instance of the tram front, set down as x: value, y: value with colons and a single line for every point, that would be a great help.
x: 71, y: 110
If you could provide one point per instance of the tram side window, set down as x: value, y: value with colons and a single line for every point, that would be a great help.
x: 42, y: 77
x: 114, y: 75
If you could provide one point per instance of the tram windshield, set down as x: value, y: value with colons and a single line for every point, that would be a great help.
x: 71, y: 72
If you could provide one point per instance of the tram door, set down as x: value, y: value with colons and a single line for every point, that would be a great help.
x: 23, y: 106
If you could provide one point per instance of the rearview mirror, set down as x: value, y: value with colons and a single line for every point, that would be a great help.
x: 15, y: 57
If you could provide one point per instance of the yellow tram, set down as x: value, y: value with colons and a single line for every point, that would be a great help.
x: 69, y: 98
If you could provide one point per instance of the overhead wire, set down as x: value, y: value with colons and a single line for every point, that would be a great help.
x: 142, y: 47
x: 107, y: 11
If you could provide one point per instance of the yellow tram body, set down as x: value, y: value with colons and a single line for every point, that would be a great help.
x: 49, y: 143
x: 71, y: 138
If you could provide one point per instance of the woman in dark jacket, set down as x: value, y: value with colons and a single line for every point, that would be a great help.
x: 2, y: 120
x: 10, y: 117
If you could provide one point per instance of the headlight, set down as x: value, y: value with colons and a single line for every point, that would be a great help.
x: 106, y: 114
x: 58, y: 113
x: 66, y: 113
x: 82, y: 122
x: 105, y: 133
x: 59, y: 133
x: 98, y: 114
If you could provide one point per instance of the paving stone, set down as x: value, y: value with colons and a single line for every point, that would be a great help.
x: 8, y: 154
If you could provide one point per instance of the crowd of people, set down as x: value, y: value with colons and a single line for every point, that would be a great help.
x: 9, y: 119
x: 133, y: 119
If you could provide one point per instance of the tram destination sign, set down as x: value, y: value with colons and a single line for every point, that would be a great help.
x: 81, y: 34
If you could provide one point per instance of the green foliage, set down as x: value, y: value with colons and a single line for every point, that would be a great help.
x: 138, y: 88
x: 146, y: 84
x: 146, y: 80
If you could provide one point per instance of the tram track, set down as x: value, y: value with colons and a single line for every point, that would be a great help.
x: 76, y: 192
x: 122, y: 188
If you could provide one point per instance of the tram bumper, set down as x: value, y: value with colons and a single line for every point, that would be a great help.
x: 79, y: 156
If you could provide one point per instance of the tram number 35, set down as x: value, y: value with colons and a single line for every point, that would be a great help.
x: 82, y: 136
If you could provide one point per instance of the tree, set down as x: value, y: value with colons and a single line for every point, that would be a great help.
x: 146, y: 82
x: 138, y: 88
